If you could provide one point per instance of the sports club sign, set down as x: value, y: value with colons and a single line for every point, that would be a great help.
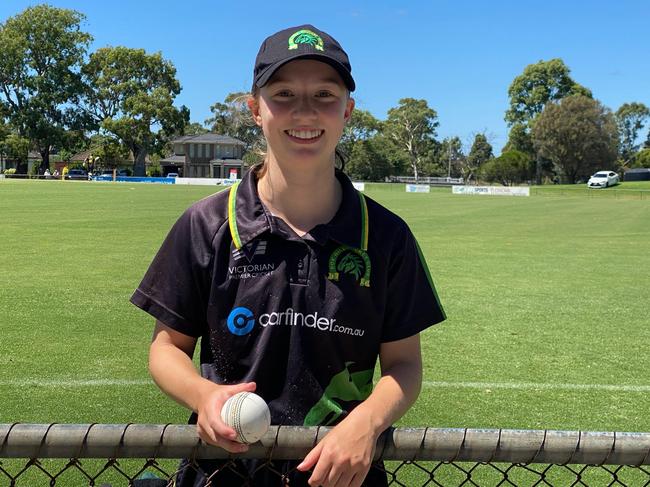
x: 492, y: 190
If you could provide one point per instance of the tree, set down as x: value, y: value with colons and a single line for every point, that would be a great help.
x: 451, y: 157
x: 109, y: 149
x: 362, y: 148
x: 578, y: 135
x: 630, y: 118
x: 519, y: 139
x: 130, y: 95
x: 367, y: 162
x: 539, y: 84
x: 479, y: 154
x: 412, y: 127
x: 232, y: 118
x: 41, y: 52
x: 511, y: 167
x: 16, y: 148
x: 361, y: 126
x: 642, y: 159
x: 195, y: 128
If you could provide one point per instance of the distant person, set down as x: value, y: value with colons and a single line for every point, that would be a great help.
x: 296, y: 284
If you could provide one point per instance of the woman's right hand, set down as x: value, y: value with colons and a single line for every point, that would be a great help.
x: 210, y: 427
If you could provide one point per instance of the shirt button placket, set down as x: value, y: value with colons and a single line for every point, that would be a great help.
x: 303, y: 268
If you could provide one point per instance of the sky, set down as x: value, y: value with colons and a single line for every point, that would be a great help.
x: 460, y: 56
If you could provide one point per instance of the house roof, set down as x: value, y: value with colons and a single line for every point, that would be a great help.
x: 207, y: 139
x: 173, y: 160
x: 228, y: 161
x: 82, y: 156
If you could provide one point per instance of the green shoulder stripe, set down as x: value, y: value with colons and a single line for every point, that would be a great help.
x: 232, y: 216
x: 428, y: 274
x: 364, y: 222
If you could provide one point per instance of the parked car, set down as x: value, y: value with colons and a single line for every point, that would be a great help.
x: 107, y: 174
x: 172, y: 175
x: 603, y: 179
x: 77, y: 174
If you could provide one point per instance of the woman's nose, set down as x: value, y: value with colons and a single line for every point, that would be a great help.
x: 304, y: 106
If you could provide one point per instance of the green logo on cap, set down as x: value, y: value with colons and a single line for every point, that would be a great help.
x: 306, y: 37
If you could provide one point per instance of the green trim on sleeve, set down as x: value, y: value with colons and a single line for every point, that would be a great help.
x: 428, y: 274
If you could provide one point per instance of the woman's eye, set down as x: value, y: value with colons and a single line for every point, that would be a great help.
x: 283, y: 93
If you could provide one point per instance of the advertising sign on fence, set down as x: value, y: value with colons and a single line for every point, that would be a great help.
x: 418, y: 188
x: 492, y: 190
x: 206, y: 181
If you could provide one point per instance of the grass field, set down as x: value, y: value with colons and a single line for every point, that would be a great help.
x: 547, y: 303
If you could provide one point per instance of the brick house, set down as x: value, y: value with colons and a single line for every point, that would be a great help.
x: 205, y: 156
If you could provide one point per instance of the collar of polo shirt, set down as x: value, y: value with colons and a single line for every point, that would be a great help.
x: 247, y: 217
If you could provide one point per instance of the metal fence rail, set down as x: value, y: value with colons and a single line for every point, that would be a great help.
x: 405, y: 456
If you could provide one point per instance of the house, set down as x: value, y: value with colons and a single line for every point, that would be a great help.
x: 205, y: 156
x: 119, y: 163
x: 33, y: 158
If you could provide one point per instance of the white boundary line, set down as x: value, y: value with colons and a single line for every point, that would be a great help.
x: 532, y: 386
x: 521, y: 386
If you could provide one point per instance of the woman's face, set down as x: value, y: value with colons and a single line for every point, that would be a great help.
x: 302, y: 111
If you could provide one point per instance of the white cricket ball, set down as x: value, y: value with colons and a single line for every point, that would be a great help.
x: 248, y: 415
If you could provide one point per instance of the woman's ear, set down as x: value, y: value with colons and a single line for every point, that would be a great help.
x: 254, y: 107
x: 349, y: 107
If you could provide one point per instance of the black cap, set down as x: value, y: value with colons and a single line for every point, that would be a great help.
x: 302, y: 42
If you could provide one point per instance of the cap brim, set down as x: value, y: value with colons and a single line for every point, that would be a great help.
x: 263, y: 78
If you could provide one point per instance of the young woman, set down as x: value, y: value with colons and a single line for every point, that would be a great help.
x: 295, y: 282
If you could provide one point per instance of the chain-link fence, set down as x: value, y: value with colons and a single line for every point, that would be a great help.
x: 147, y: 456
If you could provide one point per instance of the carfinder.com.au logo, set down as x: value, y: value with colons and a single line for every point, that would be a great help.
x: 241, y: 321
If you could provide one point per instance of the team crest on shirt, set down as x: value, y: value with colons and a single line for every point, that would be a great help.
x: 351, y: 261
x: 250, y: 250
x: 249, y: 269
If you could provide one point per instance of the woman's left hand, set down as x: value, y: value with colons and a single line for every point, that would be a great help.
x: 344, y: 456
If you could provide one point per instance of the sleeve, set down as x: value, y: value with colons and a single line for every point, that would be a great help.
x: 412, y: 301
x: 176, y: 287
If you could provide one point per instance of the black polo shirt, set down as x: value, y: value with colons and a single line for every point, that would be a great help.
x: 303, y: 317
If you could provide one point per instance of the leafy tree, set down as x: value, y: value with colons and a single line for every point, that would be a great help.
x: 539, y: 84
x: 195, y: 128
x: 479, y: 154
x: 451, y: 157
x: 360, y: 148
x: 361, y: 126
x: 519, y: 139
x: 578, y: 135
x: 16, y: 148
x: 41, y: 52
x: 642, y: 159
x: 232, y: 118
x: 511, y: 167
x: 367, y: 161
x: 109, y: 149
x: 412, y: 128
x: 130, y: 95
x: 630, y: 118
x: 4, y: 129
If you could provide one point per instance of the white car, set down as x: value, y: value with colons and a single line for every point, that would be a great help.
x: 603, y: 179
